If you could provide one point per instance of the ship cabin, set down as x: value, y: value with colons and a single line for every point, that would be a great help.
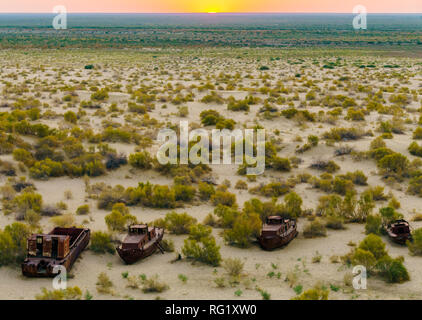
x: 138, y: 229
x: 400, y: 227
x: 49, y: 246
x: 275, y: 225
x: 274, y: 220
x: 139, y: 235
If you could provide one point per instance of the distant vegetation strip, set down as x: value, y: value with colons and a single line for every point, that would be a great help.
x: 222, y: 30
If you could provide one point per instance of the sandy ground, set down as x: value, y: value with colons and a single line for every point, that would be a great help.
x: 296, y: 257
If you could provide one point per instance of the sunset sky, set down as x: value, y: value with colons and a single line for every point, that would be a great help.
x: 174, y: 6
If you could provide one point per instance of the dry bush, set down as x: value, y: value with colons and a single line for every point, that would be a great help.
x: 153, y: 284
x: 233, y: 266
x: 104, y: 284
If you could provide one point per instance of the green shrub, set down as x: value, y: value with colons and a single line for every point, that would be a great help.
x: 46, y: 168
x: 74, y: 293
x: 28, y: 200
x: 225, y: 124
x: 313, y: 140
x: 395, y: 163
x: 32, y: 218
x: 241, y: 105
x: 83, y: 209
x: 327, y: 166
x: 334, y: 222
x: 415, y: 247
x: 415, y: 186
x: 342, y: 186
x: 184, y: 193
x: 13, y: 243
x: 343, y: 134
x: 314, y: 229
x: 389, y: 215
x: 177, y: 223
x: 364, y: 258
x: 70, y: 116
x: 280, y: 164
x: 133, y: 107
x: 415, y: 149
x: 377, y: 143
x: 417, y: 134
x: 206, y: 190
x: 224, y: 198
x: 355, y: 115
x: 64, y: 221
x: 357, y: 177
x: 155, y: 196
x: 101, y: 243
x: 163, y: 197
x: 392, y: 270
x: 201, y: 246
x: 272, y: 189
x: 293, y: 205
x: 371, y: 253
x: 376, y: 193
x: 246, y: 227
x: 209, y: 117
x: 23, y: 155
x: 380, y: 153
x: 373, y: 224
x: 316, y: 293
x: 140, y: 160
x: 109, y: 197
x: 373, y: 244
x: 119, y: 219
x: 100, y: 95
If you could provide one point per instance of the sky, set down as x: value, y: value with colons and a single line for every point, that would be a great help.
x: 178, y: 6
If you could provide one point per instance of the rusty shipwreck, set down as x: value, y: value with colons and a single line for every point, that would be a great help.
x: 61, y: 247
x: 141, y: 242
x: 277, y: 232
x: 399, y: 231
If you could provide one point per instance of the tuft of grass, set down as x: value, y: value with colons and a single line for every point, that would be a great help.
x: 238, y: 293
x: 220, y: 282
x: 264, y: 294
x: 317, y: 257
x: 104, y: 284
x: 153, y: 285
x: 183, y: 278
x: 334, y: 288
x: 298, y: 289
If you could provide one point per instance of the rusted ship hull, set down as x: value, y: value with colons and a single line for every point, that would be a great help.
x: 399, y: 231
x: 131, y: 256
x: 44, y: 267
x: 399, y: 238
x: 276, y: 241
